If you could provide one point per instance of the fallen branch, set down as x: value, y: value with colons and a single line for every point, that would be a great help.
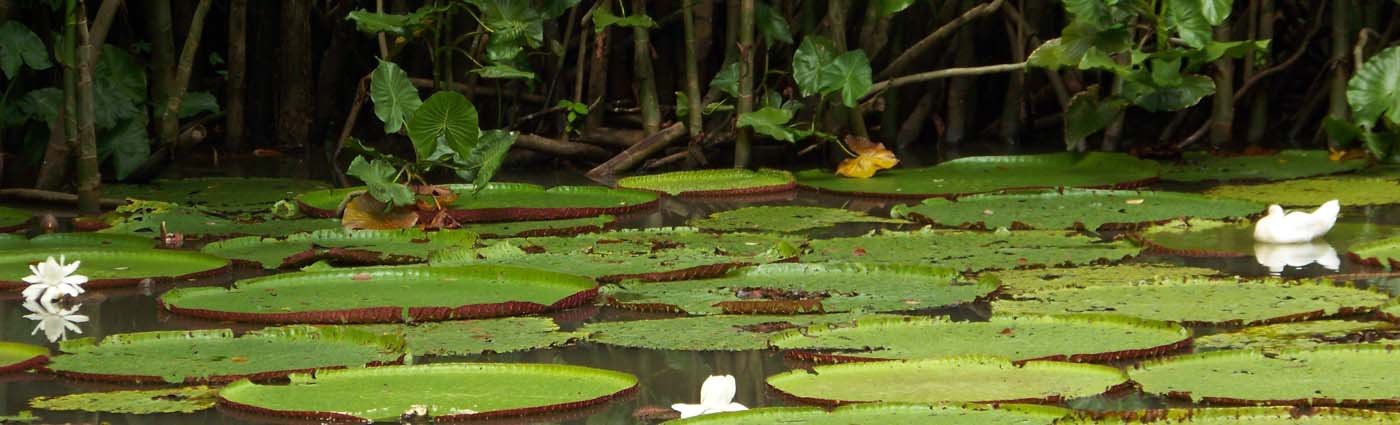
x: 623, y: 138
x: 913, y: 52
x: 40, y: 195
x: 632, y: 156
x: 560, y: 148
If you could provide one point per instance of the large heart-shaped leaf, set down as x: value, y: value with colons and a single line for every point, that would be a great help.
x: 727, y: 79
x: 811, y: 57
x: 447, y: 117
x: 769, y: 121
x: 1159, y: 93
x: 486, y: 157
x: 19, y: 45
x: 395, y: 98
x: 850, y: 73
x: 378, y: 176
x: 771, y: 24
x: 1189, y: 19
x: 1375, y: 89
x: 118, y: 87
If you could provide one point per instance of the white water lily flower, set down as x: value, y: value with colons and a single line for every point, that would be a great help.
x: 52, y: 280
x: 54, y: 320
x: 716, y: 396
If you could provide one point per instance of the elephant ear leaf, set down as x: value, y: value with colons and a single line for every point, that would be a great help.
x: 486, y: 157
x: 1374, y: 91
x: 449, y: 118
x: 395, y: 98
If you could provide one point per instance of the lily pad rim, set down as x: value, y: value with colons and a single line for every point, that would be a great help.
x: 718, y: 193
x: 1390, y: 349
x: 126, y: 281
x: 904, y: 210
x: 39, y: 356
x: 1048, y: 411
x: 518, y: 213
x: 983, y: 158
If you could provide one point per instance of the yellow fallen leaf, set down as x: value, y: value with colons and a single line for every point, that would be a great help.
x: 870, y: 157
x: 365, y: 212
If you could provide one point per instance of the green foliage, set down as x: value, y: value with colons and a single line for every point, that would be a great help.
x: 486, y: 157
x: 395, y: 98
x: 577, y: 110
x: 1374, y: 95
x: 118, y: 87
x: 405, y: 24
x: 1074, y: 208
x: 808, y: 61
x: 818, y: 69
x: 1344, y: 373
x: 980, y: 174
x: 127, y: 145
x: 769, y: 121
x: 503, y: 72
x: 1315, y: 333
x: 366, y: 246
x: 1087, y: 114
x: 890, y: 7
x: 1284, y: 165
x: 381, y: 180
x: 20, y: 46
x: 970, y: 250
x: 128, y: 266
x: 604, y: 18
x: 446, y: 118
x: 727, y: 79
x: 195, y: 103
x: 771, y: 24
x: 137, y: 402
x: 737, y: 181
x: 471, y: 337
x: 1350, y: 190
x: 946, y: 380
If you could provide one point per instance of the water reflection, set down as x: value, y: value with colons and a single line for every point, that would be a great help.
x: 1277, y: 257
x: 54, y: 320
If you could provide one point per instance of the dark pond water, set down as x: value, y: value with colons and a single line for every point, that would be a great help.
x: 666, y: 376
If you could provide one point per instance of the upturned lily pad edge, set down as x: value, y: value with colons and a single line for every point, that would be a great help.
x: 481, y: 215
x: 1316, y: 402
x: 40, y: 357
x: 790, y: 185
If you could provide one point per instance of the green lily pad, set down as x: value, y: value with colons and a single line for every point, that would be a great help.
x: 1074, y: 338
x: 981, y: 174
x: 217, y: 356
x: 949, y: 379
x: 1238, y: 415
x: 1349, y: 190
x: 17, y: 357
x: 796, y: 288
x: 1390, y: 312
x: 222, y: 194
x: 655, y: 254
x: 81, y: 240
x: 1073, y: 209
x: 13, y: 219
x: 107, y: 267
x: 1249, y: 302
x: 1286, y: 164
x: 135, y: 402
x: 13, y: 241
x: 518, y: 229
x: 718, y: 182
x: 705, y: 333
x: 509, y: 202
x: 1017, y: 282
x: 145, y: 218
x: 1210, y: 238
x: 384, y: 294
x: 785, y: 219
x: 888, y: 413
x: 1336, y: 375
x: 1298, y: 335
x: 1384, y: 253
x: 357, y: 247
x: 24, y: 416
x: 973, y: 251
x: 467, y: 337
x: 451, y: 391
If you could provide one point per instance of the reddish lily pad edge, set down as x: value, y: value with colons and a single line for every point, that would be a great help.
x: 40, y: 357
x: 133, y: 281
x: 480, y: 215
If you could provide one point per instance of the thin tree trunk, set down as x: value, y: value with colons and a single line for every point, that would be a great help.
x: 54, y: 169
x: 170, y: 125
x: 237, y: 74
x: 70, y: 76
x: 743, y: 141
x: 294, y: 103
x: 836, y: 12
x: 959, y: 112
x: 598, y: 75
x: 695, y: 119
x: 1341, y: 42
x: 907, y: 57
x: 89, y: 177
x: 1012, y: 105
x: 874, y: 31
x: 646, y: 77
x: 1222, y: 117
x: 1259, y: 108
x: 161, y: 32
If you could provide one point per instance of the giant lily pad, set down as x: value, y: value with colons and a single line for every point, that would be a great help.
x: 509, y: 202
x: 652, y: 255
x: 1385, y: 253
x: 1250, y: 302
x: 217, y: 356
x: 888, y: 413
x: 965, y: 250
x: 795, y: 288
x: 562, y: 227
x: 1298, y: 335
x: 1074, y: 338
x: 360, y: 247
x: 136, y: 402
x: 980, y: 174
x: 948, y: 379
x: 81, y: 240
x: 704, y: 333
x: 716, y: 182
x: 1016, y: 282
x: 1073, y: 209
x: 1210, y: 238
x: 1238, y: 415
x: 146, y: 217
x: 114, y: 267
x: 452, y: 391
x: 464, y: 337
x: 785, y: 219
x: 15, y: 357
x: 13, y: 219
x: 222, y: 194
x: 1349, y: 190
x: 385, y: 294
x: 1286, y: 164
x: 1337, y: 375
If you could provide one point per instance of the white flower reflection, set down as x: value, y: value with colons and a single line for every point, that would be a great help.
x: 54, y: 320
x: 1276, y: 257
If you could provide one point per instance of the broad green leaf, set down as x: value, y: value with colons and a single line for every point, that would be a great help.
x: 808, y: 63
x: 540, y: 203
x: 1309, y: 334
x: 850, y: 73
x: 946, y: 380
x: 890, y: 7
x: 1351, y: 374
x: 1090, y: 209
x: 1284, y: 165
x: 398, y: 246
x: 1093, y: 12
x: 140, y: 402
x: 1235, y: 49
x: 472, y: 337
x: 553, y: 8
x: 198, y: 102
x: 712, y: 181
x: 1340, y: 131
x: 1351, y: 190
x: 769, y: 121
x: 447, y: 117
x: 1216, y: 11
x: 771, y: 24
x: 379, y: 178
x: 399, y: 24
x: 1374, y: 91
x: 500, y: 71
x: 127, y: 145
x: 1023, y: 281
x: 1097, y: 59
x: 970, y: 251
x: 604, y: 18
x: 1380, y: 144
x: 395, y: 98
x: 725, y: 332
x: 1078, y: 38
x: 1051, y: 55
x: 727, y: 79
x: 42, y: 104
x: 118, y: 86
x: 1188, y: 18
x: 981, y: 174
x: 227, y: 195
x: 1087, y: 114
x: 887, y: 413
x: 106, y: 266
x: 1152, y: 96
x: 20, y: 46
x: 486, y: 157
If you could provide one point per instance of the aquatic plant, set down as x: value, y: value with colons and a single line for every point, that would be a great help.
x: 716, y: 396
x: 51, y: 280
